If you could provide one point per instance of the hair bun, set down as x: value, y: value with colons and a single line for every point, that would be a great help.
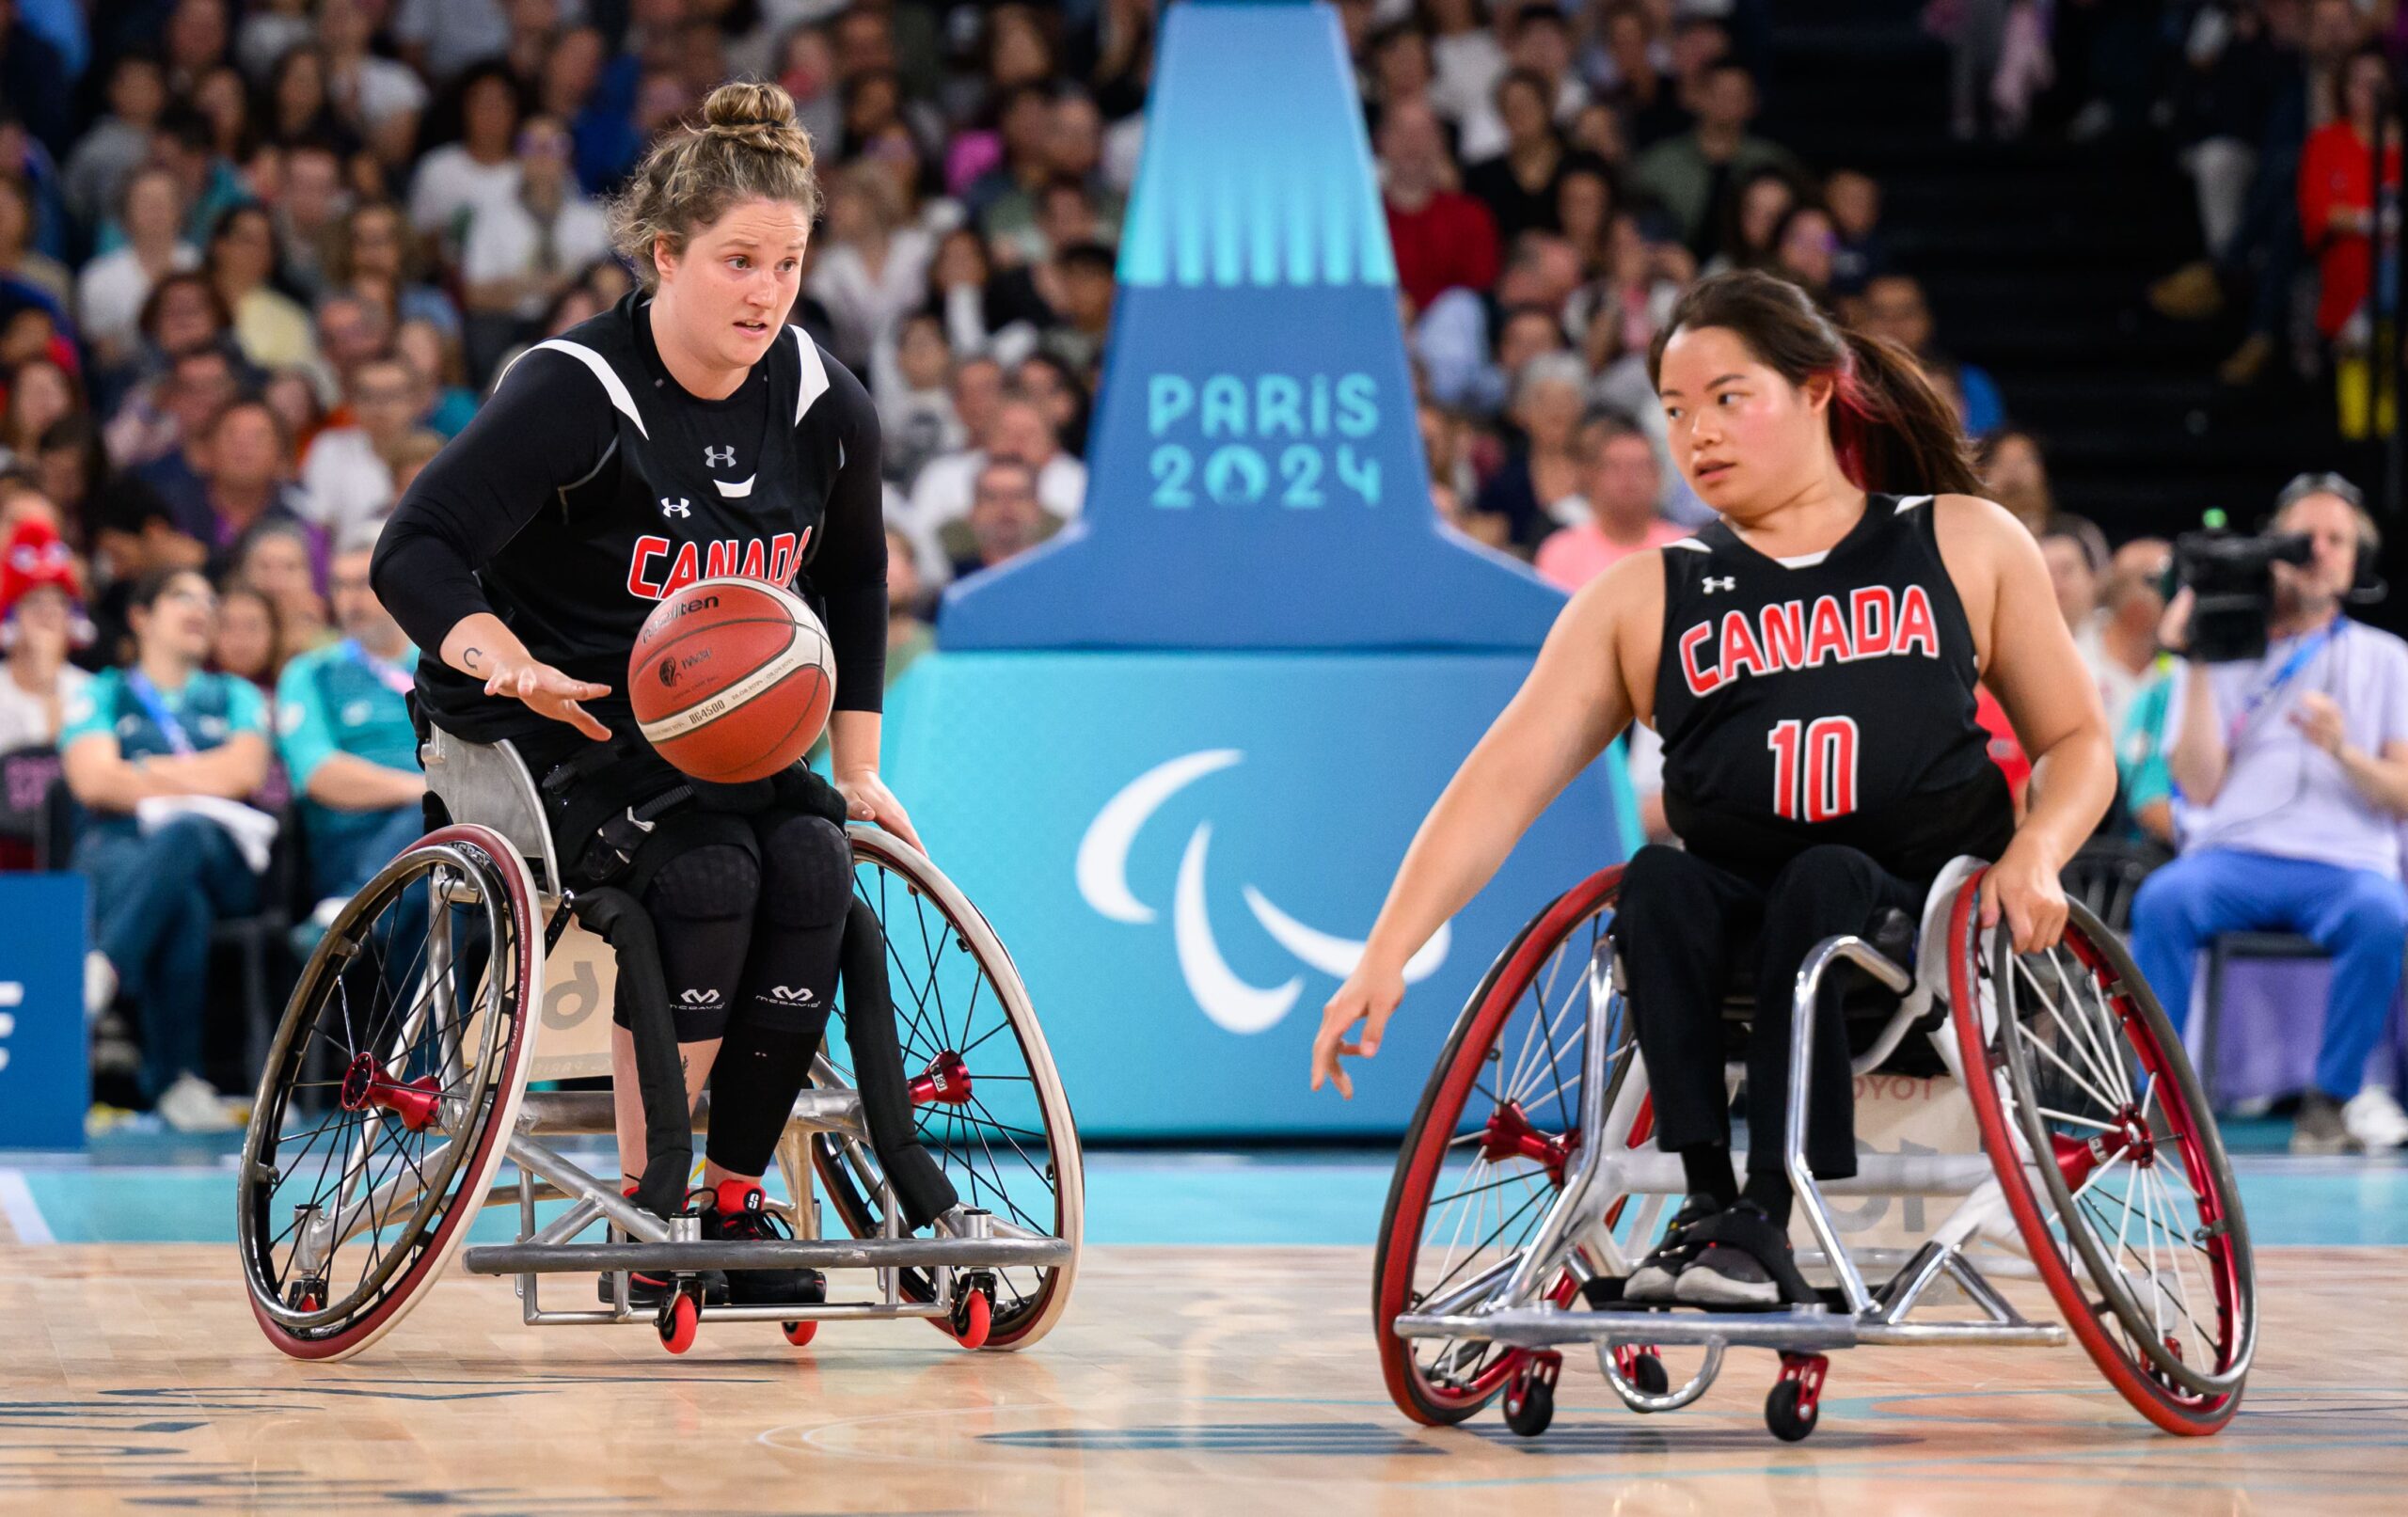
x: 745, y: 105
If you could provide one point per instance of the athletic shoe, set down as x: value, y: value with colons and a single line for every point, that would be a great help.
x: 2375, y: 1120
x: 1656, y: 1275
x: 738, y: 1211
x: 100, y: 985
x: 1746, y: 1263
x: 2318, y: 1128
x: 646, y: 1292
x: 192, y: 1104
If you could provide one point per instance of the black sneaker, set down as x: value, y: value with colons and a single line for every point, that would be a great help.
x: 1746, y: 1262
x: 737, y: 1212
x: 646, y: 1291
x: 1657, y: 1274
x: 2318, y: 1129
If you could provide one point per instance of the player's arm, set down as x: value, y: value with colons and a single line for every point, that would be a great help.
x: 2052, y: 700
x: 1575, y: 700
x: 546, y: 426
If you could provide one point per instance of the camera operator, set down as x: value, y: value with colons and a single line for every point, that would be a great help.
x: 2291, y: 771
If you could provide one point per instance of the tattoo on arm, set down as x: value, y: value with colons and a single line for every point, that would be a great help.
x: 469, y: 657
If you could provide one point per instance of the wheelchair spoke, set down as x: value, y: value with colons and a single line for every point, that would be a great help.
x: 2081, y: 1026
x: 2048, y: 1053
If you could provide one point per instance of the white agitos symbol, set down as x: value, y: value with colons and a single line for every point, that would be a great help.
x: 1103, y: 871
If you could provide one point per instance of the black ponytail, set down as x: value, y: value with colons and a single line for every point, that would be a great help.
x: 1893, y: 432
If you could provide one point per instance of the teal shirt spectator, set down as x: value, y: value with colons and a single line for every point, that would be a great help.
x: 341, y: 699
x: 210, y: 709
x: 2140, y: 747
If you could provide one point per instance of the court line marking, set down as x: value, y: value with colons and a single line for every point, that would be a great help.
x: 17, y: 1204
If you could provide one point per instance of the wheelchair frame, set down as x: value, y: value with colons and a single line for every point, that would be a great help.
x: 490, y: 793
x: 1521, y: 1300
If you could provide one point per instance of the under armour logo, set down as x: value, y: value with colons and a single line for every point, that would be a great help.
x: 1726, y: 582
x: 800, y: 995
x: 718, y: 457
x: 675, y: 508
x: 700, y: 998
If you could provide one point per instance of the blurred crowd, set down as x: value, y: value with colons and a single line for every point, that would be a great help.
x: 259, y: 261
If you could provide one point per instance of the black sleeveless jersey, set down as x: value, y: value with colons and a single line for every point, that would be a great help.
x: 592, y: 484
x: 1827, y: 699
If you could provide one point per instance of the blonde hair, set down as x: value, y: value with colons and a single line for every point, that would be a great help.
x: 749, y: 146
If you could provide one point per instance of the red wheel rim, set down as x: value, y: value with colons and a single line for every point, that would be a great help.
x: 2168, y: 1406
x: 1434, y: 1134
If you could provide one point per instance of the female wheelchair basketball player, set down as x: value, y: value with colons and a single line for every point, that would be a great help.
x: 688, y: 431
x: 1811, y: 661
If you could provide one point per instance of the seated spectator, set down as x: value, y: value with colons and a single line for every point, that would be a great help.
x: 1684, y: 172
x: 524, y: 248
x: 1005, y: 520
x: 1452, y: 338
x: 2076, y: 553
x: 283, y: 560
x: 308, y: 211
x: 2292, y: 772
x: 1804, y: 249
x: 1019, y: 432
x: 2016, y: 475
x: 871, y: 267
x: 454, y: 180
x: 2336, y: 216
x: 1518, y: 186
x: 42, y: 621
x: 110, y: 291
x: 1061, y: 392
x: 377, y: 97
x: 1538, y: 43
x: 347, y: 475
x: 910, y: 378
x: 160, y: 754
x: 270, y: 328
x: 1443, y: 238
x: 909, y: 637
x: 1750, y: 220
x: 248, y: 642
x: 343, y: 728
x: 246, y: 482
x: 433, y: 352
x: 375, y: 258
x: 115, y: 146
x: 1859, y: 252
x: 183, y: 315
x: 1539, y: 487
x: 40, y: 395
x: 2120, y: 645
x: 1894, y: 307
x: 1585, y: 202
x: 1620, y: 485
x: 1084, y: 272
x: 20, y: 260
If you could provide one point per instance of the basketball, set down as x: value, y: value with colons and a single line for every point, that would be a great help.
x: 732, y: 679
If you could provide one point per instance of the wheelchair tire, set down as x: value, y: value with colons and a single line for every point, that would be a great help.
x: 1013, y: 1151
x: 457, y: 1078
x: 1439, y: 1382
x: 2068, y: 1054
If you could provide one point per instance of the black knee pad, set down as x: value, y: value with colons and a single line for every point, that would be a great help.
x: 807, y: 872
x: 716, y: 882
x: 702, y: 902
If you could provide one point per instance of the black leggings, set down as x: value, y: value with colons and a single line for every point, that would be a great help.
x: 1678, y: 921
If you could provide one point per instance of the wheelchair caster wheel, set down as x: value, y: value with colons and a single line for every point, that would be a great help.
x: 1644, y: 1371
x: 799, y: 1334
x: 1529, y: 1396
x: 680, y: 1319
x: 973, y: 1316
x: 306, y: 1296
x: 1796, y: 1401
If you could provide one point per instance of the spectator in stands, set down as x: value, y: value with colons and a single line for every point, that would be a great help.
x: 1539, y: 487
x: 1854, y: 201
x: 440, y: 38
x: 41, y: 622
x: 20, y: 260
x: 347, y: 475
x: 2293, y: 775
x: 1805, y: 249
x: 433, y: 354
x: 2121, y: 646
x: 911, y: 380
x: 1750, y: 221
x: 2076, y: 553
x: 909, y: 637
x: 2016, y: 475
x: 1466, y: 57
x: 40, y: 395
x: 1444, y: 239
x: 1452, y: 339
x: 309, y: 216
x: 379, y: 98
x: 343, y: 728
x: 111, y: 290
x: 281, y: 561
x: 1060, y: 390
x: 161, y: 432
x: 2336, y: 216
x: 1004, y: 518
x: 1018, y: 431
x: 1635, y: 83
x: 112, y: 147
x: 34, y: 79
x: 456, y: 179
x: 247, y: 481
x: 525, y: 247
x: 1519, y: 184
x: 161, y: 755
x: 374, y: 259
x: 1083, y: 273
x: 1584, y: 210
x: 1619, y: 485
x: 1894, y: 307
x: 1538, y: 44
x: 248, y: 642
x: 871, y: 268
x: 240, y: 260
x: 1690, y: 174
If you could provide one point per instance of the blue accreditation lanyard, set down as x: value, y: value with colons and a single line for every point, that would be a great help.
x: 154, y: 705
x: 2291, y: 666
x: 392, y: 676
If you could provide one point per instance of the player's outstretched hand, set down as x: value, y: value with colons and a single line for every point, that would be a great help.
x: 551, y: 693
x: 1370, y: 996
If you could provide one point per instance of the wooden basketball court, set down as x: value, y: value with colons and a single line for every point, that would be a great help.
x: 1184, y: 1380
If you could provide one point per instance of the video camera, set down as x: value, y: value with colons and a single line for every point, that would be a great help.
x: 2232, y: 579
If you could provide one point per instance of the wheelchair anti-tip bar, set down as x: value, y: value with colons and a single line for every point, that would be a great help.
x: 785, y: 1254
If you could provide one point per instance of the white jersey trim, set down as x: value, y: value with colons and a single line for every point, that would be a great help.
x: 1910, y: 502
x: 814, y: 374
x: 1691, y: 544
x: 612, y: 385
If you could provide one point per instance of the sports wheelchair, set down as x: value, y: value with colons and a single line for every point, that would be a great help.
x: 396, y: 1088
x: 1528, y: 1187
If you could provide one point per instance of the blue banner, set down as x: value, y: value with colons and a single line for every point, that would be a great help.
x: 45, y: 1080
x: 1185, y: 851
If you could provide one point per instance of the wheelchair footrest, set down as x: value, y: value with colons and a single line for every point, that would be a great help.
x: 1539, y: 1327
x: 803, y: 1253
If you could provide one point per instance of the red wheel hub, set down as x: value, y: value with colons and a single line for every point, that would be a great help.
x: 1509, y: 1133
x: 945, y: 1080
x: 2077, y: 1158
x: 366, y: 1085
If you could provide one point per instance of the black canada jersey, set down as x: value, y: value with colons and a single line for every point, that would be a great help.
x: 1825, y: 699
x: 591, y: 486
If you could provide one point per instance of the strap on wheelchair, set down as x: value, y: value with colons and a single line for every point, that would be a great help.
x: 604, y: 802
x: 920, y: 1186
x: 668, y: 1124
